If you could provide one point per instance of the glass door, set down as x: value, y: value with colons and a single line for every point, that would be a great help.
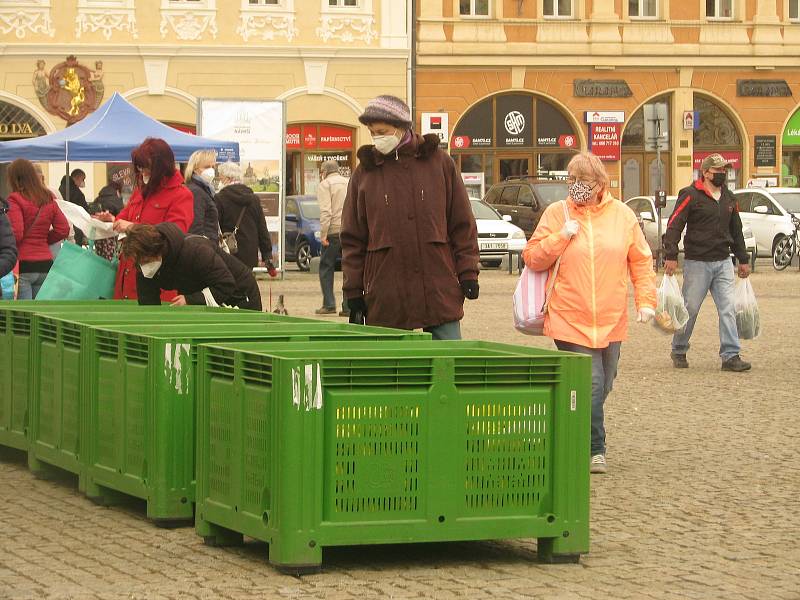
x: 513, y: 165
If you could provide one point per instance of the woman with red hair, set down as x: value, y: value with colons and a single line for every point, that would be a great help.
x: 159, y: 197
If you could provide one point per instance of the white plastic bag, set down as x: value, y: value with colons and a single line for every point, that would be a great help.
x: 529, y: 302
x: 748, y: 320
x: 671, y: 314
x: 78, y: 217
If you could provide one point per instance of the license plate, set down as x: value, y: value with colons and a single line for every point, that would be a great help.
x: 495, y: 246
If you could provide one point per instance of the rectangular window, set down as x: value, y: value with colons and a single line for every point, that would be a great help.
x: 643, y: 9
x: 719, y: 9
x: 473, y: 8
x: 264, y: 2
x: 794, y: 10
x: 343, y: 3
x: 557, y: 8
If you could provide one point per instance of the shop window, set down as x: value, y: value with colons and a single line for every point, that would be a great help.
x: 473, y: 8
x: 557, y: 8
x: 643, y: 9
x: 716, y: 128
x: 639, y: 134
x: 794, y: 10
x: 719, y: 9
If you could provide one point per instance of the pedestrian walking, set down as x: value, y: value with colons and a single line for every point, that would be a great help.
x: 710, y: 215
x: 409, y: 239
x: 167, y: 259
x: 601, y: 247
x: 159, y: 197
x: 199, y: 176
x: 331, y: 194
x: 36, y: 222
x: 240, y: 213
x: 73, y: 185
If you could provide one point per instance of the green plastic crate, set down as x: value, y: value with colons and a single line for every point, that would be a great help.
x: 307, y: 446
x: 140, y: 413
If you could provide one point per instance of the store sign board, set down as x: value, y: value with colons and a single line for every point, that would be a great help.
x: 604, y: 140
x: 309, y: 136
x: 601, y: 88
x: 763, y: 88
x: 765, y: 151
x: 293, y: 137
x: 474, y: 130
x: 605, y: 116
x: 438, y: 123
x: 514, y: 127
x: 331, y: 137
x: 791, y: 135
x: 735, y: 158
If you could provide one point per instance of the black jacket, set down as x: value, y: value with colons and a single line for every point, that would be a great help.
x: 76, y: 197
x: 8, y: 245
x: 253, y: 234
x: 108, y: 200
x: 713, y: 228
x: 206, y: 220
x: 193, y: 263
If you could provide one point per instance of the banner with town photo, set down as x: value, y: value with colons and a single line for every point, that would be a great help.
x: 258, y: 126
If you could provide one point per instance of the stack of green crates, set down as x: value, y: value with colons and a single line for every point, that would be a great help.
x: 311, y: 445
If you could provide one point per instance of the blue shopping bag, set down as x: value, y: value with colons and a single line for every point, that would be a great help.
x: 79, y: 274
x: 7, y: 285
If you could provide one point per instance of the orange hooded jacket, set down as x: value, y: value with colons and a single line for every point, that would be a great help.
x: 589, y: 302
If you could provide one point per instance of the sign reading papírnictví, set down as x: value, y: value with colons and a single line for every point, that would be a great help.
x: 766, y: 150
x: 601, y: 88
x: 762, y: 87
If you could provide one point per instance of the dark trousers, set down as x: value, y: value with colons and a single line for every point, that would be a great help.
x: 327, y: 268
x: 253, y: 300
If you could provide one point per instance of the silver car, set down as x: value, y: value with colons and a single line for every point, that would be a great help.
x: 768, y: 212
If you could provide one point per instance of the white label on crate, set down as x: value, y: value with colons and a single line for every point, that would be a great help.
x: 573, y: 400
x: 296, y: 387
x: 307, y: 387
x: 174, y: 355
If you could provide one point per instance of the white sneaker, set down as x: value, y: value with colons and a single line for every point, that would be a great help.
x: 598, y: 464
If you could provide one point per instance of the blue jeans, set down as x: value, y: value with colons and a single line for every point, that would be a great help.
x: 327, y: 268
x: 446, y: 331
x: 29, y: 284
x: 604, y: 371
x: 698, y: 279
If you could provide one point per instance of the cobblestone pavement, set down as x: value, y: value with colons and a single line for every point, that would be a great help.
x: 701, y: 499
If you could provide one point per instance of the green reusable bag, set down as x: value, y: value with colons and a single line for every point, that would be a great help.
x: 79, y: 274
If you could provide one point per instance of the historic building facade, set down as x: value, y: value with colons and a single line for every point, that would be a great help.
x: 652, y: 86
x: 325, y: 58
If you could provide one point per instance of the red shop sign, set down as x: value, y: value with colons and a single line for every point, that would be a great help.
x: 735, y: 158
x: 293, y: 137
x: 604, y: 140
x: 335, y: 137
x: 461, y: 141
x: 309, y: 136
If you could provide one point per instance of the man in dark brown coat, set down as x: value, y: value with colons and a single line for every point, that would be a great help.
x: 409, y: 239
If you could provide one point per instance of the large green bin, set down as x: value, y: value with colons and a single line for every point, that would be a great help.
x: 59, y: 341
x: 306, y: 446
x: 140, y: 405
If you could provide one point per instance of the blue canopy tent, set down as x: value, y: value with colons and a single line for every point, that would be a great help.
x: 108, y: 135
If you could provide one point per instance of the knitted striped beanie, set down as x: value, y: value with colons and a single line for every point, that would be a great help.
x: 387, y: 109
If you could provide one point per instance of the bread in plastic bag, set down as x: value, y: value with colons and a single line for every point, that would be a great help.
x: 671, y: 314
x: 748, y: 320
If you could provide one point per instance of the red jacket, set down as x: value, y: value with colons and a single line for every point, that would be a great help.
x: 50, y: 227
x: 172, y: 203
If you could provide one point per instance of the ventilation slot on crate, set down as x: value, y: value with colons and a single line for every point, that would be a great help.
x: 193, y: 354
x: 219, y: 363
x: 3, y: 321
x: 107, y: 344
x: 378, y: 373
x: 48, y: 331
x: 71, y: 336
x: 21, y: 324
x: 136, y: 349
x: 257, y: 369
x: 509, y: 371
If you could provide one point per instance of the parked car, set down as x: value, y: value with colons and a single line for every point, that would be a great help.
x: 524, y: 199
x: 645, y: 210
x: 301, y: 230
x: 768, y: 212
x: 496, y: 235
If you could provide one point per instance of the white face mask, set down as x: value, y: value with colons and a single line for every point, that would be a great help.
x: 208, y: 175
x: 150, y: 269
x: 385, y: 143
x: 145, y: 179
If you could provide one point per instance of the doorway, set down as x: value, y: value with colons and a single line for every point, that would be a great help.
x: 513, y: 165
x: 640, y: 174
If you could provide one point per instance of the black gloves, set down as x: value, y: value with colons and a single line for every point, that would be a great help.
x: 358, y: 310
x: 470, y: 288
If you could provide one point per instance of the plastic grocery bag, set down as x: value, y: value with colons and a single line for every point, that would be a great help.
x: 78, y: 274
x: 748, y: 320
x: 529, y: 300
x: 8, y: 286
x: 671, y: 313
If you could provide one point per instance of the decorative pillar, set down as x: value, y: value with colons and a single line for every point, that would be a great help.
x: 604, y: 27
x: 431, y: 10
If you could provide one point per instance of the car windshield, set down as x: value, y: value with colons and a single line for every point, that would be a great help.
x: 482, y: 211
x: 309, y: 208
x: 790, y: 201
x: 551, y: 192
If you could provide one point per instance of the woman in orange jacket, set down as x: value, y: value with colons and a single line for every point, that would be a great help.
x: 601, y: 245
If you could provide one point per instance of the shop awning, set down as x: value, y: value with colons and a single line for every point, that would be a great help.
x: 108, y: 135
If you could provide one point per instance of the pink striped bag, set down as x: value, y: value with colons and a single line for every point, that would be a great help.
x: 532, y: 296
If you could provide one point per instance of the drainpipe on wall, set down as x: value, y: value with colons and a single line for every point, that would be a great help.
x: 412, y: 58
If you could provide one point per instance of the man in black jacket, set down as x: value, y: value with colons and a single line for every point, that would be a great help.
x: 75, y: 181
x: 167, y: 259
x: 8, y: 245
x: 708, y: 211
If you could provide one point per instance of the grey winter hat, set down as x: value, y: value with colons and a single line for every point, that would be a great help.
x: 328, y: 167
x: 387, y: 109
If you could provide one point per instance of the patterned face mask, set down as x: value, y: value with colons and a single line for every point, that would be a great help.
x: 580, y: 192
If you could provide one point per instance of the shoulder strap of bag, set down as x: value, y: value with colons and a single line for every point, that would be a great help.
x: 28, y: 228
x: 239, y: 220
x: 550, y: 287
